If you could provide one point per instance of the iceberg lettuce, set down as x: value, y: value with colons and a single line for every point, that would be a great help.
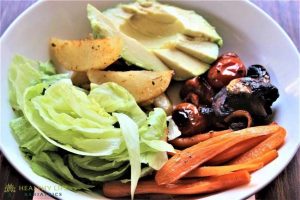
x: 51, y: 165
x: 29, y: 139
x: 131, y: 137
x: 22, y: 73
x: 101, y: 131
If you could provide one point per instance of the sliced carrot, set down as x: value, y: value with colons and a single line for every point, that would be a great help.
x: 183, y: 187
x: 258, y: 130
x: 185, y: 142
x: 222, y: 170
x: 266, y: 158
x: 271, y: 143
x: 236, y: 150
x: 187, y: 160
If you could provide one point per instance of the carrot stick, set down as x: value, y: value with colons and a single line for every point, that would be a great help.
x: 259, y: 130
x: 266, y: 158
x: 187, y: 160
x: 271, y: 143
x: 236, y: 150
x: 250, y: 166
x: 117, y: 189
x: 190, y: 141
x: 222, y: 170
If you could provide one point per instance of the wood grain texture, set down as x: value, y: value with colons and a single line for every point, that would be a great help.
x: 285, y: 187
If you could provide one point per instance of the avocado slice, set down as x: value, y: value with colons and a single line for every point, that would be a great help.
x: 121, y: 15
x: 185, y: 66
x: 133, y: 52
x: 205, y: 51
x: 187, y: 22
x: 195, y: 25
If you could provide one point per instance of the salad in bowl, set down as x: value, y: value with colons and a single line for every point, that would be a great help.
x: 144, y: 105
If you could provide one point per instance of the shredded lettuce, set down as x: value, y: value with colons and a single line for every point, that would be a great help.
x: 100, y: 175
x: 51, y: 165
x: 23, y: 72
x: 154, y: 159
x: 29, y: 138
x: 47, y: 68
x: 131, y: 137
x: 114, y: 98
x: 84, y: 128
x: 100, y: 133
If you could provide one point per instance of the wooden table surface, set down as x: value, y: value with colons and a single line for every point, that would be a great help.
x: 285, y: 186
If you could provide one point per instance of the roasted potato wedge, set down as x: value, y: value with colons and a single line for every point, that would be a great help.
x: 143, y: 85
x: 82, y: 55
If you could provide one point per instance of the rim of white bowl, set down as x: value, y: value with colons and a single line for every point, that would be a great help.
x: 39, y: 2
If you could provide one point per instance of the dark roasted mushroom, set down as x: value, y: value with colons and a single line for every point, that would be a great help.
x: 188, y: 119
x: 238, y: 119
x: 248, y: 94
x: 258, y: 72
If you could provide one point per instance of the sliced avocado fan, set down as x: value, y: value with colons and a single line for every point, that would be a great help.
x: 185, y: 66
x: 133, y: 52
x: 205, y: 51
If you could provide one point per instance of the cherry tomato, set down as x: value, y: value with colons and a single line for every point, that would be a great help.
x: 188, y: 119
x: 226, y: 68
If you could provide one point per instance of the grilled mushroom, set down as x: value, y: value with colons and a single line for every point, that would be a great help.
x: 258, y: 72
x: 249, y: 94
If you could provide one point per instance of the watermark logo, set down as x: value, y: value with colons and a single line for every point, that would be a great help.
x: 31, y: 191
x: 10, y: 188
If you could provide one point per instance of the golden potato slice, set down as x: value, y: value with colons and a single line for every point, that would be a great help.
x: 82, y: 55
x: 143, y: 85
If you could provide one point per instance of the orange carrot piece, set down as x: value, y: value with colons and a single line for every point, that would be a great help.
x: 266, y: 158
x: 185, y: 142
x: 236, y: 150
x: 117, y: 189
x: 271, y: 143
x: 259, y: 130
x: 222, y: 170
x: 187, y: 160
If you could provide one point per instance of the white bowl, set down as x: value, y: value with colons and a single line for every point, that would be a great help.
x: 245, y: 29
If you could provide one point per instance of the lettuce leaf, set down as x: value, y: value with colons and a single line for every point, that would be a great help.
x: 29, y: 139
x: 85, y: 125
x: 47, y: 68
x: 94, y: 163
x: 97, y: 175
x: 51, y: 166
x: 153, y: 131
x: 93, y: 141
x: 114, y: 98
x: 154, y: 159
x: 23, y: 73
x: 131, y: 137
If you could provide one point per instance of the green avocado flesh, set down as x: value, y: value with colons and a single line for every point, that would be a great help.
x: 172, y: 33
x: 185, y: 66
